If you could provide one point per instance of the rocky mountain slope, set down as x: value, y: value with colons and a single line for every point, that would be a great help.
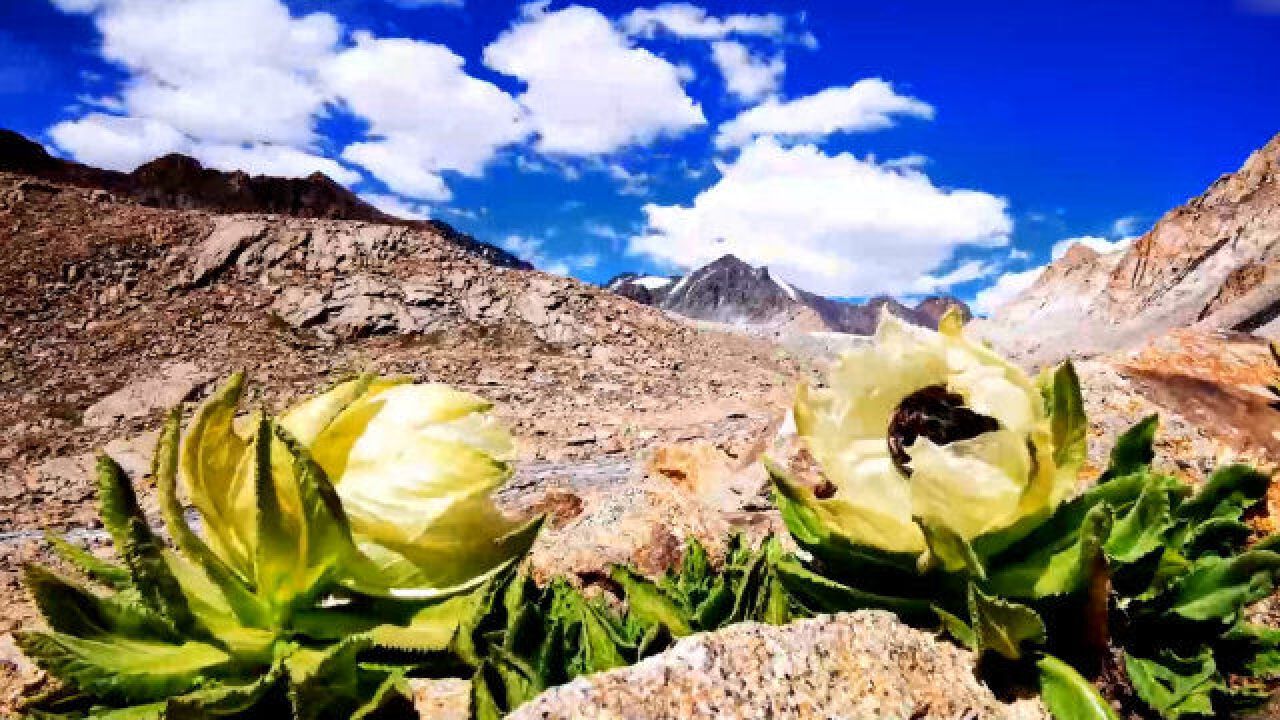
x: 729, y: 290
x: 1213, y: 263
x: 181, y: 182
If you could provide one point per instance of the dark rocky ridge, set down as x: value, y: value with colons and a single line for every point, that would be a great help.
x: 180, y: 182
x: 731, y: 291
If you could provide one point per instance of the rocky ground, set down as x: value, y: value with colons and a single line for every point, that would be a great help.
x: 636, y: 430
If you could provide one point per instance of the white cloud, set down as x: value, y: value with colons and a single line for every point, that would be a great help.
x: 114, y: 142
x: 1018, y: 254
x: 427, y: 3
x: 229, y: 71
x: 869, y: 104
x: 589, y: 91
x: 690, y: 21
x: 834, y: 224
x: 426, y: 114
x: 123, y: 143
x: 601, y: 230
x: 1005, y: 288
x: 396, y: 206
x: 966, y: 272
x: 1100, y: 244
x: 747, y: 77
x: 530, y: 249
x: 1127, y: 226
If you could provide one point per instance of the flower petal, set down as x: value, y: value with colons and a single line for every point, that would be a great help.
x: 872, y: 503
x: 971, y: 486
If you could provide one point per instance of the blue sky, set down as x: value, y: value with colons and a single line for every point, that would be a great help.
x: 855, y: 147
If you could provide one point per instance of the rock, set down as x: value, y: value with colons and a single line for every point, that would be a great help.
x: 441, y: 699
x: 864, y: 664
x: 230, y: 236
x: 172, y: 385
x: 1209, y: 262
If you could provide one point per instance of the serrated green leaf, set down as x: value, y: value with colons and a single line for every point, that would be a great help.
x: 1053, y: 571
x: 390, y: 690
x: 1134, y: 449
x: 431, y: 629
x: 222, y: 700
x: 1140, y: 531
x: 139, y: 548
x: 97, y: 569
x: 121, y: 669
x: 72, y: 610
x: 650, y: 604
x: 1228, y: 493
x: 325, y: 682
x: 1067, y: 422
x: 823, y: 595
x: 1068, y: 695
x: 1002, y: 626
x: 1174, y: 687
x: 1217, y: 536
x: 1216, y: 589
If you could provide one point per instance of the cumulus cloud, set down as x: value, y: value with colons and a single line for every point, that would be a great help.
x: 123, y: 143
x: 397, y: 206
x: 1009, y: 285
x: 1005, y: 288
x: 963, y: 273
x: 531, y: 249
x: 690, y: 21
x: 425, y: 113
x: 1100, y: 244
x: 589, y: 90
x: 231, y: 82
x: 747, y: 77
x: 834, y: 224
x: 1127, y: 226
x: 869, y: 104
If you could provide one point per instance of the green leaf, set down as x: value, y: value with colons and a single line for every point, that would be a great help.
x: 486, y: 687
x: 1002, y: 626
x: 323, y: 681
x: 1216, y: 588
x: 101, y: 571
x: 314, y: 535
x: 1228, y: 493
x: 1217, y: 536
x: 1141, y: 530
x: 431, y: 629
x: 1174, y: 687
x: 1053, y: 571
x: 1068, y: 695
x: 823, y: 595
x: 1067, y: 421
x: 231, y: 589
x: 956, y: 628
x: 1134, y: 449
x: 650, y: 604
x: 73, y: 610
x: 951, y: 550
x: 121, y: 669
x: 392, y: 689
x: 138, y: 546
x: 221, y: 700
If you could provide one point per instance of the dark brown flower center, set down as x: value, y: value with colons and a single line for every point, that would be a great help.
x: 933, y: 413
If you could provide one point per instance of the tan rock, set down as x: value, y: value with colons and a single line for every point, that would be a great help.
x: 854, y: 665
x: 161, y: 390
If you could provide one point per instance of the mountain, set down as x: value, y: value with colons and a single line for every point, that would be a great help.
x: 180, y: 182
x: 729, y: 290
x: 1213, y: 263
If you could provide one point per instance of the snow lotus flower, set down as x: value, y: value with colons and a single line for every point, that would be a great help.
x: 410, y: 468
x: 925, y: 434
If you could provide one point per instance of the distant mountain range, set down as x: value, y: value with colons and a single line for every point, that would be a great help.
x: 1213, y: 263
x: 729, y: 290
x: 180, y: 182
